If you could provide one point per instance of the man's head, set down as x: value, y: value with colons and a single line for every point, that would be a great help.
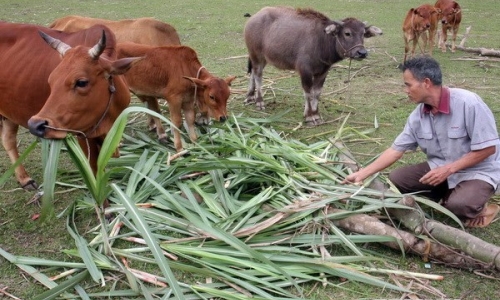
x: 423, y: 67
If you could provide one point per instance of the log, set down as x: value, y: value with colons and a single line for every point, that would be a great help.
x: 464, y: 242
x: 480, y: 51
x: 426, y: 248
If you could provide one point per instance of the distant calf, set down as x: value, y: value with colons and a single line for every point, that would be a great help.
x: 418, y: 23
x: 147, y: 31
x: 450, y: 16
x: 174, y: 73
x: 303, y: 40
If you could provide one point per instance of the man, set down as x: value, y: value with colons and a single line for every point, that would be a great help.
x: 458, y: 133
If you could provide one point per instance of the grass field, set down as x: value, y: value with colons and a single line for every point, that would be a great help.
x: 215, y: 30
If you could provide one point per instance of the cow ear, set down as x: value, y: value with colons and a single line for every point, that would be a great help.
x: 371, y: 31
x: 229, y: 80
x: 121, y: 66
x: 200, y: 83
x: 333, y: 28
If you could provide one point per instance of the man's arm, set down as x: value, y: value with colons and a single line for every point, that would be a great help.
x: 387, y: 158
x: 440, y: 174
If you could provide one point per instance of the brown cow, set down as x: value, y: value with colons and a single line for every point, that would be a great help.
x: 175, y: 74
x: 303, y: 40
x: 450, y: 16
x: 52, y: 96
x: 418, y: 23
x: 147, y: 31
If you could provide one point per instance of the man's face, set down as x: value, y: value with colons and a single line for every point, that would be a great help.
x: 413, y: 88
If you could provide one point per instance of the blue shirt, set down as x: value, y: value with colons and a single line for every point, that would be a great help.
x: 463, y: 123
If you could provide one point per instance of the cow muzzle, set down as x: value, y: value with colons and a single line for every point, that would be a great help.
x: 37, y: 127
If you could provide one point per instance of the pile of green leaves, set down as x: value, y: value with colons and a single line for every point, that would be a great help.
x: 244, y: 214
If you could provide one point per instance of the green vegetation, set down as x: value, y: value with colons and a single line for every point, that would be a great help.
x: 215, y: 30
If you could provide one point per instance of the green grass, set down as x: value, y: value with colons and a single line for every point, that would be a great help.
x: 214, y: 29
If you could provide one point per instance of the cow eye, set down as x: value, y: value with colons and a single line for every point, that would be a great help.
x: 212, y: 97
x: 81, y: 83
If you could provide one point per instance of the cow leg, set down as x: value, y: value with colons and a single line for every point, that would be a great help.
x: 175, y: 108
x: 454, y: 30
x: 154, y: 122
x: 189, y: 114
x: 254, y: 94
x: 444, y: 33
x: 8, y: 131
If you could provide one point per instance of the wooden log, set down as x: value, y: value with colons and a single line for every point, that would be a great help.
x: 466, y: 244
x: 426, y: 248
x: 480, y: 51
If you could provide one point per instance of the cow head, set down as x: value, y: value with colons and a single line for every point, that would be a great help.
x: 423, y: 17
x: 449, y: 12
x: 349, y: 37
x: 85, y: 96
x: 215, y: 95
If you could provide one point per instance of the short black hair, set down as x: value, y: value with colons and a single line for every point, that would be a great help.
x: 423, y: 67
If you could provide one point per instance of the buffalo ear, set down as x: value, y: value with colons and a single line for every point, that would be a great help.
x: 333, y: 28
x: 371, y: 31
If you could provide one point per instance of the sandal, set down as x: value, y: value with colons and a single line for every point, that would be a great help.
x: 484, y: 218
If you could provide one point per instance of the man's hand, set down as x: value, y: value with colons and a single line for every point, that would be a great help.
x: 436, y: 176
x: 354, y: 178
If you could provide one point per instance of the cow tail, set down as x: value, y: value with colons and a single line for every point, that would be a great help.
x: 249, y: 69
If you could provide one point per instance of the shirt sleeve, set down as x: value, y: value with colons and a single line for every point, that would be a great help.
x: 481, y: 126
x: 406, y: 140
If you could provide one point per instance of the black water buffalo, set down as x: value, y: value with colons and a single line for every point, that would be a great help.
x: 303, y: 40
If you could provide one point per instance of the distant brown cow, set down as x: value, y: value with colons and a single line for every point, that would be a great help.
x: 52, y: 96
x: 450, y: 16
x: 303, y: 40
x: 147, y: 31
x: 418, y: 23
x: 174, y: 73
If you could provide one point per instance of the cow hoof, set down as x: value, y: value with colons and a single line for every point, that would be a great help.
x: 260, y: 106
x: 163, y: 141
x: 30, y: 185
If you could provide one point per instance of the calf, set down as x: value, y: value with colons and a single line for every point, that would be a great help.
x: 418, y: 23
x: 303, y: 40
x: 175, y: 74
x: 450, y: 16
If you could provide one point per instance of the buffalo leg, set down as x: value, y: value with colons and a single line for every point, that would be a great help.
x: 8, y: 131
x: 312, y: 86
x: 154, y: 122
x: 254, y: 94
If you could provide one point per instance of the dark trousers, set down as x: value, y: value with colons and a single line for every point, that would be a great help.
x: 466, y: 200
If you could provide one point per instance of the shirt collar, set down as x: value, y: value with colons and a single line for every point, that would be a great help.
x: 444, y: 103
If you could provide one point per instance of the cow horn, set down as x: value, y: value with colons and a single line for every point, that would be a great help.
x: 98, y: 48
x: 58, y: 45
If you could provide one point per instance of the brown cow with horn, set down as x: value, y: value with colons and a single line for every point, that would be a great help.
x: 79, y: 93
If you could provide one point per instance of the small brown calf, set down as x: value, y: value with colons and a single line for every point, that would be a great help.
x: 450, y: 16
x: 418, y: 23
x: 175, y: 74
